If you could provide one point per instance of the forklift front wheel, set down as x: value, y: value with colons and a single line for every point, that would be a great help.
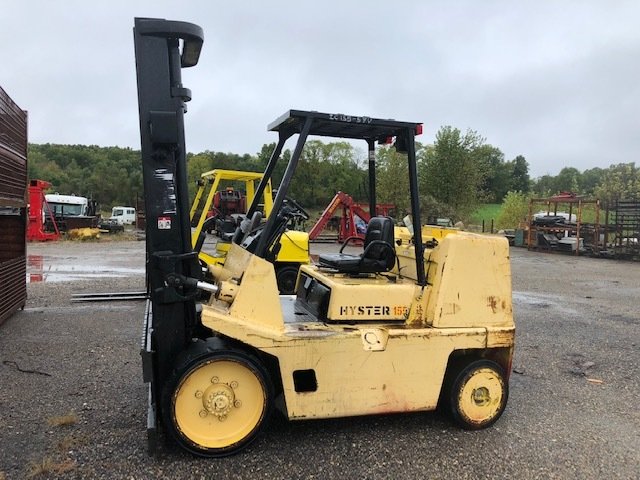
x: 478, y: 395
x: 217, y: 404
x: 286, y: 277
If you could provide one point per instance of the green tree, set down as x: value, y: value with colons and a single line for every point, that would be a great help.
x: 196, y: 166
x: 496, y: 173
x: 392, y: 175
x: 589, y: 180
x: 109, y: 175
x: 451, y: 173
x: 621, y: 181
x: 307, y: 186
x: 520, y: 180
x: 515, y: 209
x: 323, y: 170
x: 568, y: 180
x: 262, y: 159
x: 545, y: 186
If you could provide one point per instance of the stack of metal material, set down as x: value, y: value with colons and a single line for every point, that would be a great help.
x: 13, y: 206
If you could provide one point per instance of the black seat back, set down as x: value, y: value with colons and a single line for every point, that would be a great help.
x: 378, y: 245
x: 379, y: 229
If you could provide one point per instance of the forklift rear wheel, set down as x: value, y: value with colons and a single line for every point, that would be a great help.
x: 217, y: 403
x: 478, y: 395
x: 286, y: 277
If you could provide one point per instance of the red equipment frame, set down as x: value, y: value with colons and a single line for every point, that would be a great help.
x: 37, y: 205
x: 350, y: 210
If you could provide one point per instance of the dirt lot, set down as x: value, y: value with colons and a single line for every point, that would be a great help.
x: 572, y: 410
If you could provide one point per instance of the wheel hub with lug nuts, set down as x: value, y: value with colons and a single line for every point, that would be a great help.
x: 218, y: 399
x: 481, y: 396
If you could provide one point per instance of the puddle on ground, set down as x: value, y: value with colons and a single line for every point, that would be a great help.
x: 540, y: 300
x: 533, y: 299
x: 43, y: 269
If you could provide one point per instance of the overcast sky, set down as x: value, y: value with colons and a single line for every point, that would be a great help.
x: 555, y: 81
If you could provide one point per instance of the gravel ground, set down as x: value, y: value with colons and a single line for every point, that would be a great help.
x: 572, y: 411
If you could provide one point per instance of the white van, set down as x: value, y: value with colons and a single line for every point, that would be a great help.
x: 123, y: 215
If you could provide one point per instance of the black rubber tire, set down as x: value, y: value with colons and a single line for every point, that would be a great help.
x: 459, y: 379
x: 286, y: 277
x: 201, y: 353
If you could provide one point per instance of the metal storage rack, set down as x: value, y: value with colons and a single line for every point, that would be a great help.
x: 575, y: 237
x: 13, y: 206
x: 626, y: 228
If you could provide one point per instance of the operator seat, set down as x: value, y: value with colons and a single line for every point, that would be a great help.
x: 379, y: 253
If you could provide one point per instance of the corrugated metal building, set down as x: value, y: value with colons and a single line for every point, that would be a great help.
x: 13, y: 206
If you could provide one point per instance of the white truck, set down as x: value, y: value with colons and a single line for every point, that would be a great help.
x: 70, y: 212
x: 67, y: 205
x: 123, y: 215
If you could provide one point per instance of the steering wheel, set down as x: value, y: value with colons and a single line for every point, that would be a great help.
x: 297, y: 206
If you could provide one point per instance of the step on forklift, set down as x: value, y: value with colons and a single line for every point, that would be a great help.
x: 397, y: 328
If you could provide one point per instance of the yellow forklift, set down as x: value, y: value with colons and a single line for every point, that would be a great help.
x: 397, y: 328
x: 294, y: 244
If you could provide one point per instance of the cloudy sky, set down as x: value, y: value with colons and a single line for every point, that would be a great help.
x: 555, y: 81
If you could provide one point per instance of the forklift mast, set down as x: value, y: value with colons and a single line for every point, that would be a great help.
x: 172, y: 266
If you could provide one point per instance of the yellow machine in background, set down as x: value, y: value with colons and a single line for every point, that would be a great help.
x: 294, y: 245
x: 403, y: 235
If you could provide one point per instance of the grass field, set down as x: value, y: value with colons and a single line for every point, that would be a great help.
x: 486, y: 212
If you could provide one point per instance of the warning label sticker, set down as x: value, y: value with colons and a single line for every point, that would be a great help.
x: 164, y: 223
